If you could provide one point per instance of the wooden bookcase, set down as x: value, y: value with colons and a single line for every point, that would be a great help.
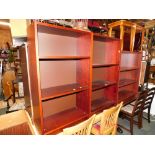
x: 129, y: 75
x: 105, y: 72
x: 60, y: 75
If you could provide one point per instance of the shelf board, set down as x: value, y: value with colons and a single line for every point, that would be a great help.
x: 101, y: 104
x: 100, y: 84
x: 123, y: 69
x: 61, y: 30
x: 61, y: 120
x: 103, y: 65
x: 125, y: 82
x: 126, y: 96
x: 58, y: 91
x: 63, y: 57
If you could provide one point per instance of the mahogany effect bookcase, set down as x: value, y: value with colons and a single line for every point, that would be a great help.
x: 105, y: 72
x: 60, y: 75
x: 129, y: 75
x: 74, y: 74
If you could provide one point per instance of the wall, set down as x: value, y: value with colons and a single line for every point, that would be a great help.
x: 19, y: 27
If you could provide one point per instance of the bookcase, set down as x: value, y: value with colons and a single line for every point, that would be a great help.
x: 105, y: 72
x: 75, y: 73
x: 60, y: 75
x: 129, y: 75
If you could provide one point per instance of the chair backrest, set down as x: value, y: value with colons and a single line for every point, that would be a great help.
x: 83, y: 128
x: 139, y: 103
x: 109, y: 120
x: 149, y: 97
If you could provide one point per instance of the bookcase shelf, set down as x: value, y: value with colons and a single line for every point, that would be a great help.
x: 100, y: 84
x: 58, y: 91
x: 101, y: 103
x: 60, y: 120
x: 126, y: 96
x: 124, y: 69
x: 103, y: 65
x: 125, y: 82
x: 63, y: 57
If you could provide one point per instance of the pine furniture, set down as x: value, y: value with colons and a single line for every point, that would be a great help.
x: 131, y: 34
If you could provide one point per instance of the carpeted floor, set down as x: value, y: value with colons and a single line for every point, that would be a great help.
x: 148, y: 128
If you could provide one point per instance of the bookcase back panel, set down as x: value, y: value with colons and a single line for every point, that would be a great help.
x: 55, y: 73
x: 105, y: 73
x: 132, y: 87
x: 58, y: 105
x: 55, y: 45
x: 105, y: 53
x: 107, y: 93
x: 131, y: 60
x: 133, y: 75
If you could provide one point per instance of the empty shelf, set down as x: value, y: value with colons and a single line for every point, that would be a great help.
x: 123, y: 69
x: 126, y: 95
x: 125, y: 82
x: 103, y: 65
x: 60, y: 120
x: 63, y: 57
x: 58, y: 91
x: 101, y: 104
x: 100, y: 84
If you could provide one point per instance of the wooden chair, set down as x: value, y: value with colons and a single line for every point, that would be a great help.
x: 130, y: 111
x: 10, y: 90
x: 106, y: 122
x: 148, y: 102
x: 83, y: 128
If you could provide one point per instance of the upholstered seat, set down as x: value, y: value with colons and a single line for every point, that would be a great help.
x: 134, y: 109
x: 127, y: 108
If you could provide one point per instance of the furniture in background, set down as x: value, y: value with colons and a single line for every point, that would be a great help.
x: 7, y: 79
x: 105, y: 123
x: 60, y: 69
x: 23, y: 54
x: 130, y: 111
x: 105, y: 72
x: 83, y: 128
x: 131, y: 34
x: 152, y: 74
x: 1, y: 66
x: 16, y: 123
x: 13, y: 91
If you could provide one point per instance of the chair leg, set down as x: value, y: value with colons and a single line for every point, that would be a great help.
x: 131, y: 126
x: 140, y: 121
x: 148, y: 114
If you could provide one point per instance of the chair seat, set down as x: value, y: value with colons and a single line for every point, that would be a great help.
x: 132, y: 103
x: 128, y: 108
